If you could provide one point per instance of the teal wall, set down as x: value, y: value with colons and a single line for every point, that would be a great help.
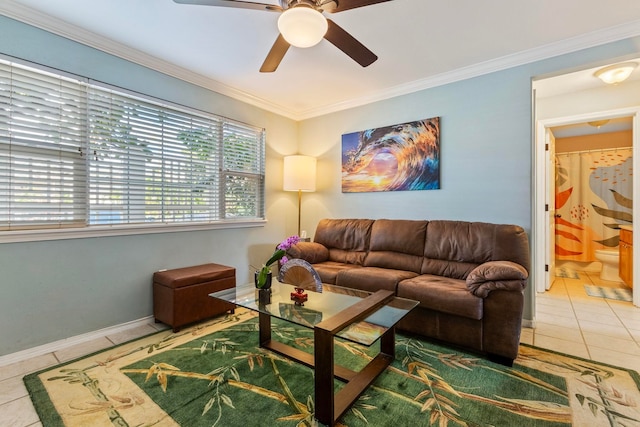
x: 486, y: 148
x: 58, y: 289
x: 53, y: 290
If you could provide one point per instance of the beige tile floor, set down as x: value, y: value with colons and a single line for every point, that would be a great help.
x: 567, y: 320
x: 570, y: 321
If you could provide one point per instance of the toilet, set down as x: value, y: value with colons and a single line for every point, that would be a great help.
x: 610, y: 260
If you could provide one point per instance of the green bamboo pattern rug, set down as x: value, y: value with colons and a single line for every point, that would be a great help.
x: 214, y: 374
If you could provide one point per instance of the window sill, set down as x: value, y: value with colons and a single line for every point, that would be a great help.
x: 119, y: 230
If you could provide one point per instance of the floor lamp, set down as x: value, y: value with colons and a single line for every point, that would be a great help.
x: 299, y: 175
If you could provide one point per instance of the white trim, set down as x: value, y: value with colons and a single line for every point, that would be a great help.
x: 584, y: 41
x: 119, y: 230
x: 635, y: 208
x: 539, y: 219
x: 528, y: 323
x: 71, y: 341
x: 27, y: 15
x: 538, y: 183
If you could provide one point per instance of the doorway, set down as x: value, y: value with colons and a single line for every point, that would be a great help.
x: 572, y: 99
x: 566, y: 318
x: 544, y: 222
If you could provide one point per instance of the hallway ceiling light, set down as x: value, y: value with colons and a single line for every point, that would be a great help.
x: 598, y: 123
x: 614, y: 74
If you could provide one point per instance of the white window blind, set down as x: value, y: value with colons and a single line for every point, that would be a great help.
x: 243, y: 160
x: 150, y: 163
x: 42, y: 132
x: 82, y: 155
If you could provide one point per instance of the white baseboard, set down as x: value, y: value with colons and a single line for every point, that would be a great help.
x: 529, y: 323
x: 71, y: 341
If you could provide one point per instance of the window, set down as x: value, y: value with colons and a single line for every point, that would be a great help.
x: 76, y: 154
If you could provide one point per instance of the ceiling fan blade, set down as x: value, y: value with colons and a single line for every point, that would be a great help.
x: 233, y: 3
x: 351, y: 4
x: 349, y: 45
x: 275, y: 55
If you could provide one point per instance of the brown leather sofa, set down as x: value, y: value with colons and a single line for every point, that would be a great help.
x: 468, y: 276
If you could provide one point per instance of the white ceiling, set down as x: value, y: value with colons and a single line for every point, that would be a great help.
x: 420, y: 43
x: 591, y: 128
x: 584, y: 80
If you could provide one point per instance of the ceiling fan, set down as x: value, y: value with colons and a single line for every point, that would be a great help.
x: 302, y: 24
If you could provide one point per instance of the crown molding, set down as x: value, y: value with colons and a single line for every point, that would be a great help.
x: 56, y: 26
x: 40, y: 20
x: 584, y: 41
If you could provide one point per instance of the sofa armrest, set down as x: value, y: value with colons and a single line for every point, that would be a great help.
x: 494, y: 275
x: 309, y: 251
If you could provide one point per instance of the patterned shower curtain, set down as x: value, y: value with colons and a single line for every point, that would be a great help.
x: 593, y: 198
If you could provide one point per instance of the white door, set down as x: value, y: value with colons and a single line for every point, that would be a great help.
x: 550, y: 206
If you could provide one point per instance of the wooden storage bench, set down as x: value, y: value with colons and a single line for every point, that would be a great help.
x: 181, y: 296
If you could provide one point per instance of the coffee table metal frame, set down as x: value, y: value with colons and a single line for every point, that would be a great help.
x: 330, y: 406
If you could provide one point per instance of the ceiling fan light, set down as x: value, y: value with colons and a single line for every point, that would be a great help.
x: 616, y: 73
x: 302, y: 26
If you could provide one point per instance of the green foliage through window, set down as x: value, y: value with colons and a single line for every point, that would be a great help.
x: 77, y: 154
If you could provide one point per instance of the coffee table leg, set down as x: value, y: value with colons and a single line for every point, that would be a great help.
x: 388, y: 342
x: 264, y: 326
x: 323, y: 355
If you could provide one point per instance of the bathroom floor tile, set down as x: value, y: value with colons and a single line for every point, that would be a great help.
x: 624, y: 309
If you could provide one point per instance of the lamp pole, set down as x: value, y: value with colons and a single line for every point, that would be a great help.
x: 299, y: 209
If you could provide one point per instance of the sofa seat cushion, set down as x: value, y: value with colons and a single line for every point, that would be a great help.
x: 442, y: 294
x: 372, y: 278
x: 328, y: 270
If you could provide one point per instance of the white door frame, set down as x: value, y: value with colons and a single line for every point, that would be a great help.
x: 539, y: 244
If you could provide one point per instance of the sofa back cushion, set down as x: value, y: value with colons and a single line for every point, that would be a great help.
x: 454, y: 248
x: 397, y: 244
x: 346, y: 239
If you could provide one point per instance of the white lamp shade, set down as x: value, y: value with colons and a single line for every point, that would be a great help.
x: 302, y: 26
x: 617, y: 73
x: 299, y: 173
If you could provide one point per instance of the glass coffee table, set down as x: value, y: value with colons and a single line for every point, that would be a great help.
x: 355, y: 315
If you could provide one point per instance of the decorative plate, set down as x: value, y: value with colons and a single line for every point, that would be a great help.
x: 301, y: 274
